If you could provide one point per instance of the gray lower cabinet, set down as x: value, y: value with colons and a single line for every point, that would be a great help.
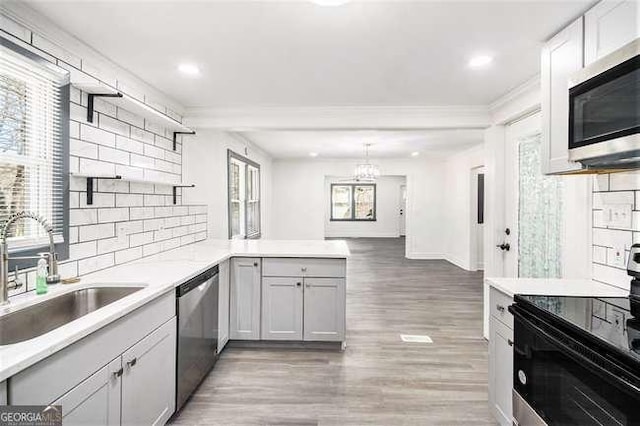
x: 244, y: 320
x: 123, y: 373
x: 324, y: 309
x: 282, y: 308
x: 96, y: 400
x: 148, y: 380
x: 500, y: 357
x: 223, y: 306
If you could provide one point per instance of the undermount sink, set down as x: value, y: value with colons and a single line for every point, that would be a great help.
x: 38, y: 319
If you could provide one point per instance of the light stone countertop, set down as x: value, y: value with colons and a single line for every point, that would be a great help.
x: 555, y: 287
x: 158, y: 275
x: 545, y: 287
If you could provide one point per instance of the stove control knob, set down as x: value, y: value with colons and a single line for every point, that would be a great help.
x: 522, y: 377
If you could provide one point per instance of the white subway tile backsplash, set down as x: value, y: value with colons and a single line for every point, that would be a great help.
x: 95, y: 135
x: 96, y: 232
x: 610, y: 245
x: 128, y: 144
x: 106, y: 122
x: 96, y: 168
x: 83, y: 149
x: 96, y: 263
x: 624, y: 181
x: 113, y: 215
x: 113, y: 155
x: 113, y: 244
x: 129, y: 200
x: 127, y: 220
x: 128, y: 255
x: 82, y: 216
x: 604, y: 198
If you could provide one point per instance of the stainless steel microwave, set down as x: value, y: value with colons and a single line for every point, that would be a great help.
x: 604, y: 111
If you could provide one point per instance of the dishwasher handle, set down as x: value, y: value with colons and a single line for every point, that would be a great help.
x: 196, y: 281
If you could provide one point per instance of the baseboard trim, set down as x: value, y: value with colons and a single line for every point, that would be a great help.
x: 458, y: 263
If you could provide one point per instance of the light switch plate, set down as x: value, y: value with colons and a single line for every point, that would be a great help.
x: 618, y: 215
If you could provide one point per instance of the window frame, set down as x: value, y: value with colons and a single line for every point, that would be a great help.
x: 353, y: 187
x: 61, y: 247
x: 231, y: 155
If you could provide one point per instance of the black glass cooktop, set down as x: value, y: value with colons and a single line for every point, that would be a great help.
x: 616, y: 321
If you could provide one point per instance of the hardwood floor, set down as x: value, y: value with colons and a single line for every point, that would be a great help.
x: 378, y: 379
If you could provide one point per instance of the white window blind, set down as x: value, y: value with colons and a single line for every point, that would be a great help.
x: 31, y: 146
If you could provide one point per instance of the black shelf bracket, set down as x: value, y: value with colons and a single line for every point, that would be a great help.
x: 90, y: 185
x: 90, y: 98
x: 175, y: 191
x: 175, y: 138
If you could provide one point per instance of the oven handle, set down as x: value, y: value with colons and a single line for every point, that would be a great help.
x: 571, y: 352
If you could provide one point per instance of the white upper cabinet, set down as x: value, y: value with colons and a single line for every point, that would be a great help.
x: 608, y: 26
x: 561, y: 57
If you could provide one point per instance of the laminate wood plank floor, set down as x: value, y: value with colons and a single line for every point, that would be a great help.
x: 378, y: 379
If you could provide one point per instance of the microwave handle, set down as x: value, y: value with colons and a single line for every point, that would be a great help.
x: 575, y: 354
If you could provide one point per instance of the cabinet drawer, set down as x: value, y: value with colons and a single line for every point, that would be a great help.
x: 303, y: 267
x: 498, y: 304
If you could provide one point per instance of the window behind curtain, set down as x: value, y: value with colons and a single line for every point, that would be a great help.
x: 33, y: 146
x: 244, y: 197
x: 353, y: 202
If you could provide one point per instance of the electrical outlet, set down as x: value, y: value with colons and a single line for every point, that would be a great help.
x: 618, y: 216
x: 618, y: 257
x: 618, y: 321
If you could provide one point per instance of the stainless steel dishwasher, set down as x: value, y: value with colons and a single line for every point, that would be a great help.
x: 197, y: 309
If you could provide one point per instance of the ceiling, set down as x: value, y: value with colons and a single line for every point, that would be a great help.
x: 295, y: 53
x: 350, y: 144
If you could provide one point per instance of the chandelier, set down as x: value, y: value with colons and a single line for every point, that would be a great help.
x: 366, y: 171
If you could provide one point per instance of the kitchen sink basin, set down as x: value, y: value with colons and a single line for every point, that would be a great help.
x: 43, y: 317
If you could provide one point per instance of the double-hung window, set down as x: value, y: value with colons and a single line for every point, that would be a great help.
x: 244, y: 197
x: 34, y: 114
x: 353, y: 202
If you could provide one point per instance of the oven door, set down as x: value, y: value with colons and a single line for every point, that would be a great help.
x: 604, y: 111
x: 564, y: 382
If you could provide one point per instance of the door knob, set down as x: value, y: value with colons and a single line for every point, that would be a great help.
x: 504, y: 246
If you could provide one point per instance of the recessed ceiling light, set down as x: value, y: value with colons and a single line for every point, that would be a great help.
x: 480, y: 61
x: 190, y: 70
x: 415, y: 153
x: 313, y: 154
x: 330, y: 2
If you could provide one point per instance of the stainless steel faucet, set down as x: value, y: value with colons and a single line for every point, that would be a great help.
x: 52, y: 257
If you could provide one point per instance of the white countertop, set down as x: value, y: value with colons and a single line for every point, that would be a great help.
x: 555, y: 287
x: 158, y: 274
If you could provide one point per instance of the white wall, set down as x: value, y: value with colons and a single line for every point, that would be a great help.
x: 458, y: 206
x: 127, y: 220
x: 387, y: 224
x: 300, y: 202
x: 204, y: 163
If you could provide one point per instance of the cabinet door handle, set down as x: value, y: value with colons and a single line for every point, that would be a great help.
x: 132, y: 362
x: 298, y: 284
x: 500, y: 308
x: 118, y: 373
x: 510, y: 342
x: 255, y: 264
x: 304, y: 269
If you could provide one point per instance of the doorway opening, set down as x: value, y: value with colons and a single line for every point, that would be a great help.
x: 477, y: 218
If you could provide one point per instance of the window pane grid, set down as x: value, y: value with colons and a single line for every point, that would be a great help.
x: 353, y: 202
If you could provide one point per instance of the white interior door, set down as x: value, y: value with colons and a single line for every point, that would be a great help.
x: 403, y: 210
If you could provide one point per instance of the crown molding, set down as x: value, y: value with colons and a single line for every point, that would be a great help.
x: 340, y: 118
x: 518, y: 102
